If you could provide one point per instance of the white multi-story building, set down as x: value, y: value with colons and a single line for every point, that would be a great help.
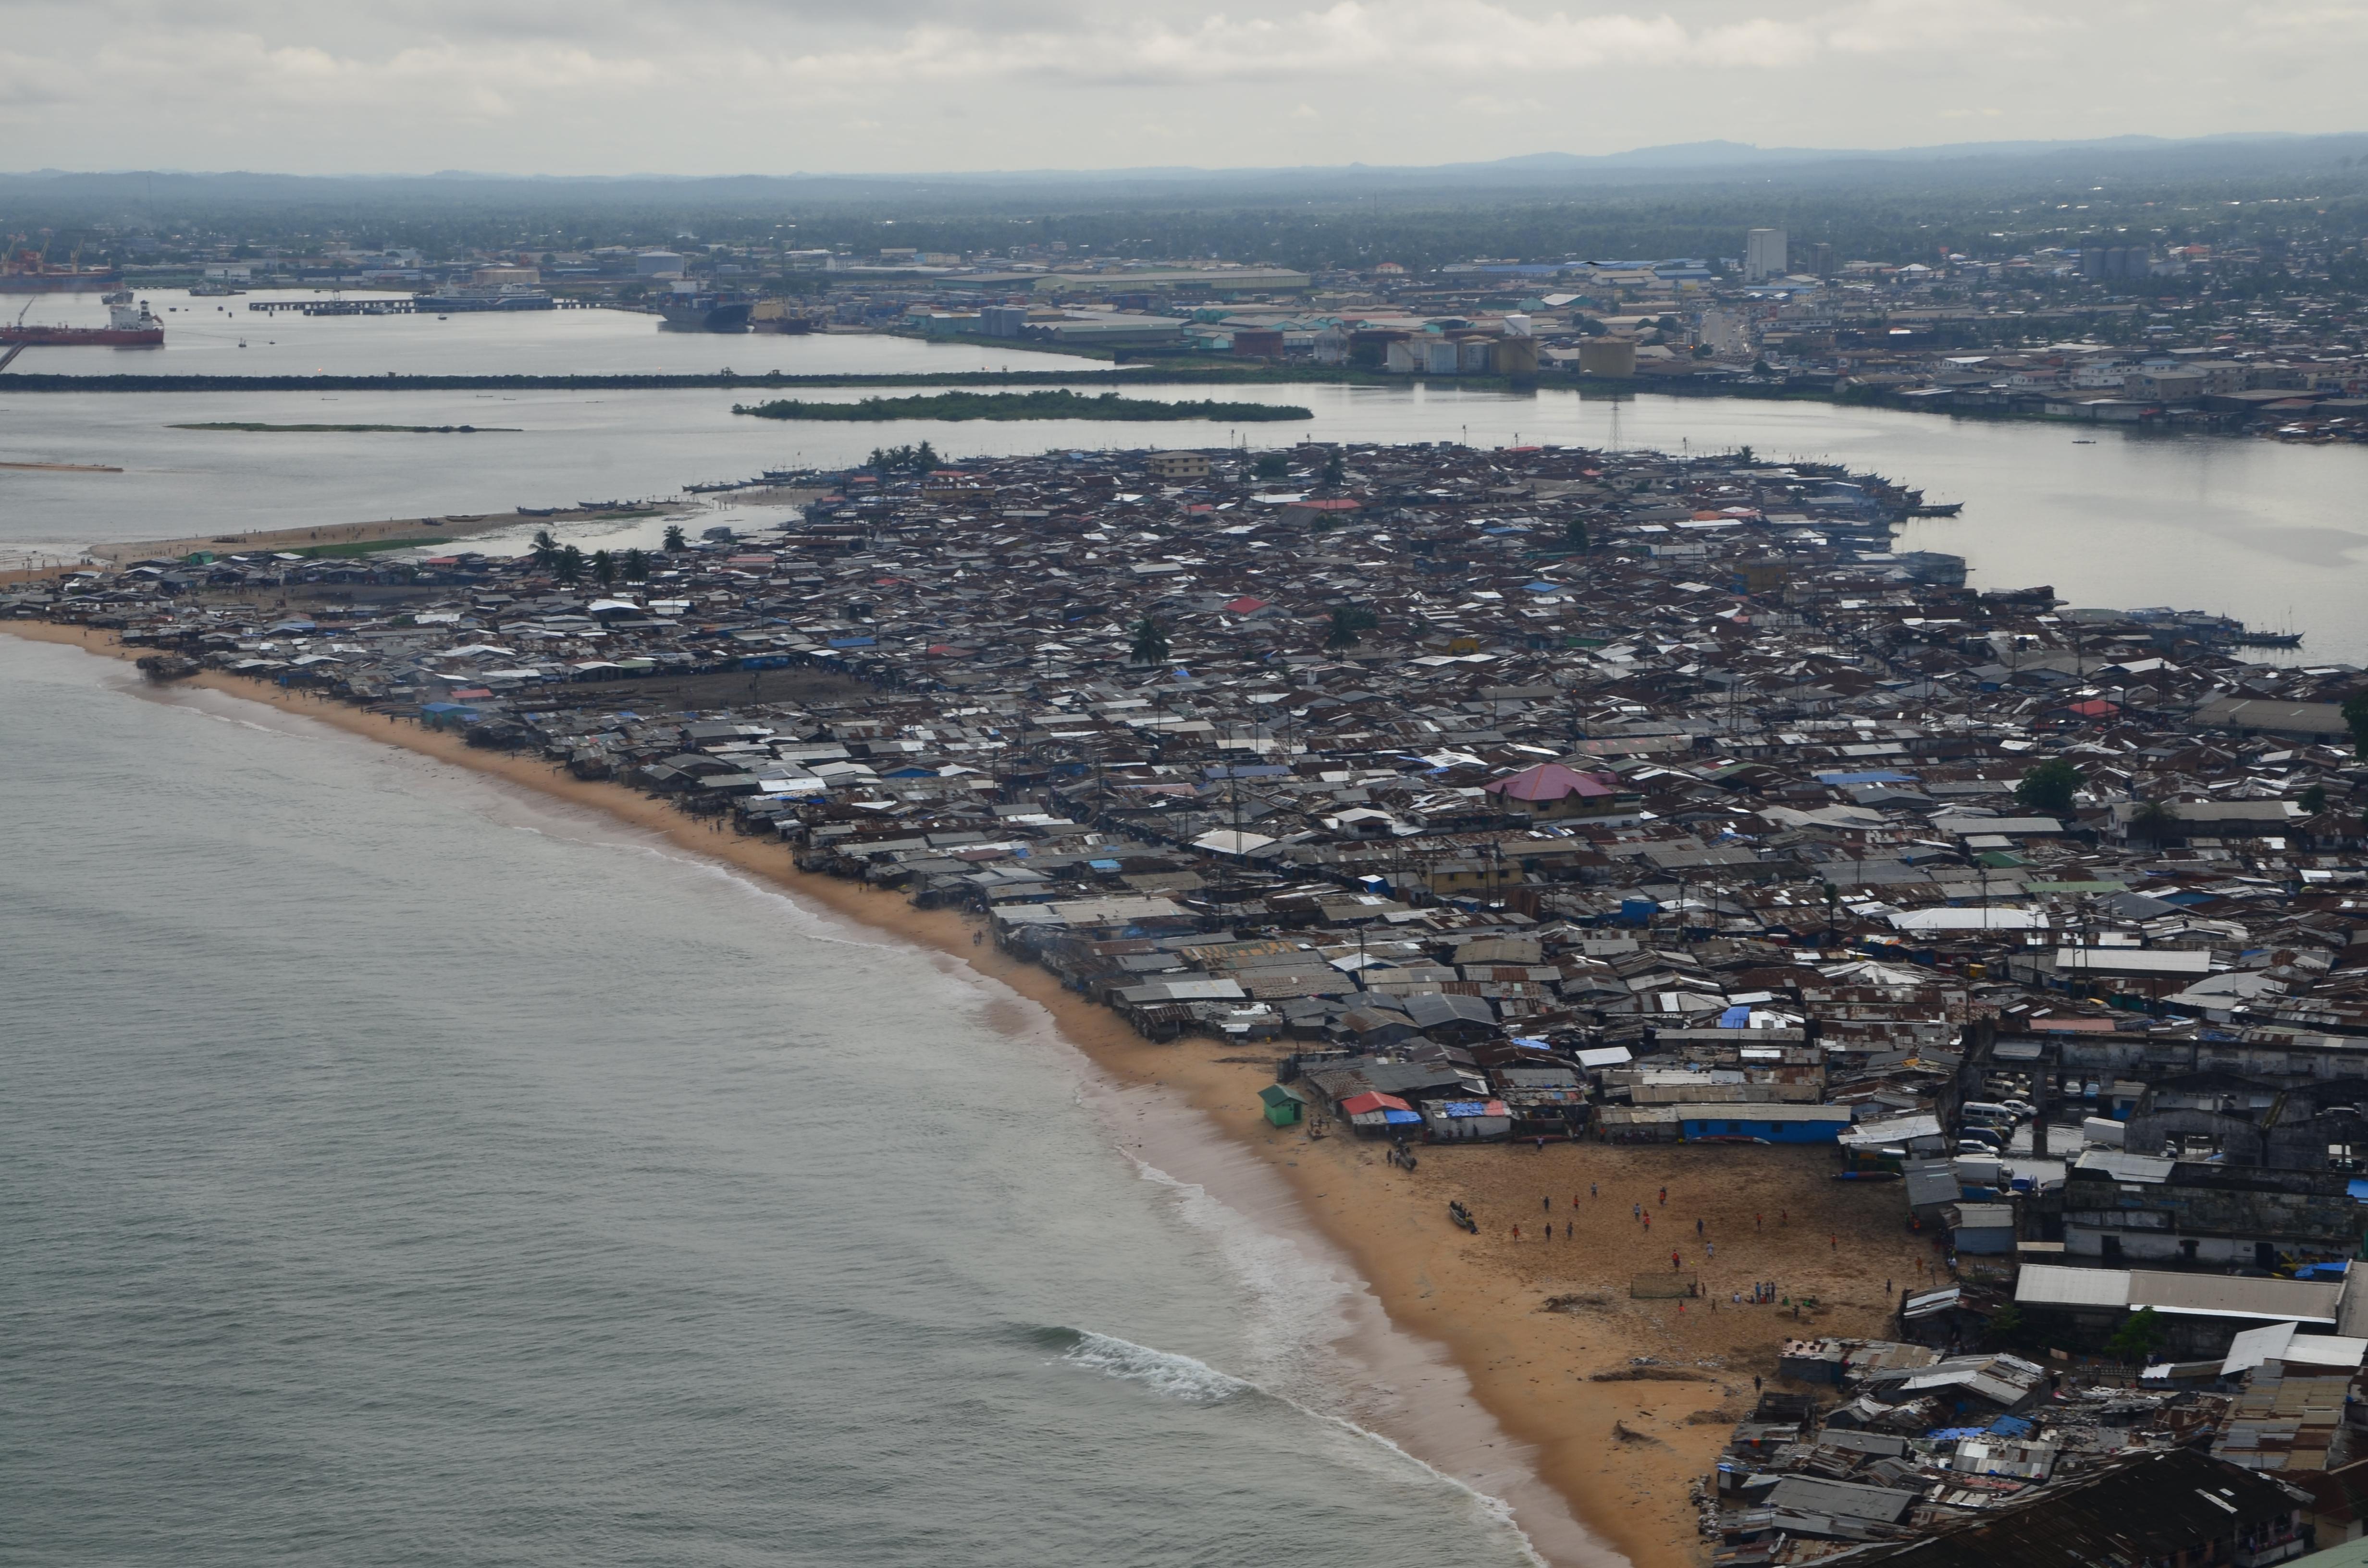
x: 1764, y: 255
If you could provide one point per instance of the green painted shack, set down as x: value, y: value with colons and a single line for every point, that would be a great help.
x: 1284, y: 1105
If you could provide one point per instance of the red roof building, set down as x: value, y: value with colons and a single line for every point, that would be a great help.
x: 1550, y: 789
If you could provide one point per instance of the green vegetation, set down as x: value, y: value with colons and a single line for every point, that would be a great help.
x: 2355, y: 713
x: 1061, y: 405
x: 314, y: 429
x: 1150, y: 642
x: 1349, y: 623
x: 2048, y: 787
x: 904, y: 459
x: 2140, y: 1337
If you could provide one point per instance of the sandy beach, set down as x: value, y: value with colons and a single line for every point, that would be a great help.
x: 1541, y: 1320
x: 451, y: 528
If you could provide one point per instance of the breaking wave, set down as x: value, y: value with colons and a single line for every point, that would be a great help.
x: 1162, y: 1371
x: 1194, y: 1382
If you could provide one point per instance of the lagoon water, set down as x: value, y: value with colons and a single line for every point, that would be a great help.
x: 2275, y: 535
x: 396, y: 1168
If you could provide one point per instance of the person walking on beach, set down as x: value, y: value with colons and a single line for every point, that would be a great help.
x: 1547, y: 1203
x: 1755, y: 1222
x: 1517, y: 1233
x: 1674, y: 1264
x: 1755, y: 1382
x: 1635, y: 1210
x: 1590, y: 1191
x: 1648, y: 1221
x: 1710, y: 1252
x: 1698, y: 1230
x: 1665, y: 1198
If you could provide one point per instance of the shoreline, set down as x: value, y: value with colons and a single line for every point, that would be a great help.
x: 331, y: 535
x: 1535, y: 1342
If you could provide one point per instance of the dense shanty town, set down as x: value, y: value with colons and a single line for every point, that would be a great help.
x: 1551, y: 794
x: 2108, y: 329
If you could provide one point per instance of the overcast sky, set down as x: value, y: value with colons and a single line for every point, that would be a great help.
x: 776, y: 87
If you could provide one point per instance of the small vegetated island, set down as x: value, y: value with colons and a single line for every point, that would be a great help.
x: 317, y: 429
x: 1061, y: 405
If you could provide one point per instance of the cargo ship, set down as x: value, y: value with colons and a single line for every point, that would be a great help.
x: 705, y: 313
x: 24, y: 272
x: 128, y: 326
x: 775, y: 315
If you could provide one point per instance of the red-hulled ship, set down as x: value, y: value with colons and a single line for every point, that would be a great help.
x: 128, y: 326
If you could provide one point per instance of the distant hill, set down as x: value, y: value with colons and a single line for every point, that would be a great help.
x: 1700, y: 166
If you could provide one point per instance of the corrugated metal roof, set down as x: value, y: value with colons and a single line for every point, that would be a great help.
x: 2123, y: 1167
x: 1762, y: 1110
x: 2055, y: 1285
x: 2228, y: 1295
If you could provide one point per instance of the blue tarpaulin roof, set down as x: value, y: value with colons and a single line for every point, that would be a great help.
x: 1734, y: 1019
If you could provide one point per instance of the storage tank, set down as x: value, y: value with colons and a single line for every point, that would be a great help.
x: 1609, y: 357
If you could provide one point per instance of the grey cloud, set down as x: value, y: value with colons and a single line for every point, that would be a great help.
x: 602, y: 85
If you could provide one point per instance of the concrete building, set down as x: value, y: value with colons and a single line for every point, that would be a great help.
x: 1764, y: 255
x: 1178, y: 465
x: 2123, y: 1208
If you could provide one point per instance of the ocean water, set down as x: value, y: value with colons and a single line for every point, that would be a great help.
x: 224, y: 337
x: 399, y: 1168
x: 2272, y: 534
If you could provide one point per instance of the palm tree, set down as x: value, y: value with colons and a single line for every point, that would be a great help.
x: 604, y: 567
x: 2153, y: 822
x: 546, y: 549
x: 569, y: 568
x: 1150, y: 642
x: 675, y: 538
x: 637, y: 566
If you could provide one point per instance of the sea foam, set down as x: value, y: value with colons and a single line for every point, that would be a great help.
x: 1163, y: 1372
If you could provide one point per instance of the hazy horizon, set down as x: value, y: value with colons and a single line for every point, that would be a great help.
x: 769, y: 87
x: 1686, y: 154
